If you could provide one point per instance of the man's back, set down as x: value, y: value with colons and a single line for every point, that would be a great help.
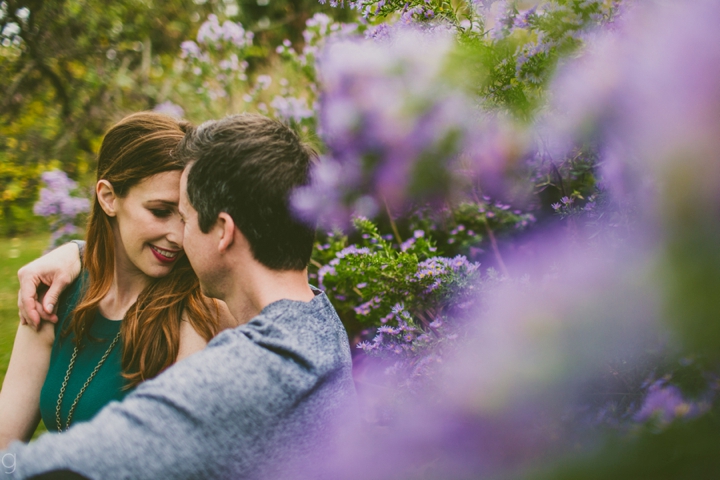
x: 256, y: 401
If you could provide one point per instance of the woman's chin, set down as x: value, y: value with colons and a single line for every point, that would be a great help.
x: 159, y: 271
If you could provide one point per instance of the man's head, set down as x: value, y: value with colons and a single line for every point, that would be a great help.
x: 246, y: 166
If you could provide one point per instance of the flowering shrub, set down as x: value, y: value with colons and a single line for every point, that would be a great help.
x: 58, y: 203
x: 583, y: 346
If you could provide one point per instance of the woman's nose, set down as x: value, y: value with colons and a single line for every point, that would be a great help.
x: 176, y: 231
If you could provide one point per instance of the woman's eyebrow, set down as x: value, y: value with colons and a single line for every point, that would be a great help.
x: 160, y: 201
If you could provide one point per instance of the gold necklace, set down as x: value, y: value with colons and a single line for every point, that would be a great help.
x: 84, y: 387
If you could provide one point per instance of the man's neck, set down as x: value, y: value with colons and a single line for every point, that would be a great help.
x: 255, y: 286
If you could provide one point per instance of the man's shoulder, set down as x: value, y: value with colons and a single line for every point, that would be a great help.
x: 309, y: 329
x: 297, y: 315
x: 287, y: 338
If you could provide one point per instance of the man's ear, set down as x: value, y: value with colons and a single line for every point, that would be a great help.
x: 106, y: 197
x: 226, y: 229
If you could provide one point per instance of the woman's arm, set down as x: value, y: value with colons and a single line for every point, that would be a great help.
x: 20, y: 394
x: 190, y: 340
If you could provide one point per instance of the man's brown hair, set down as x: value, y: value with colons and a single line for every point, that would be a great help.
x: 247, y: 166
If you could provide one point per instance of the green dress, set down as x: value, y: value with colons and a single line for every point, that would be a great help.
x: 108, y: 384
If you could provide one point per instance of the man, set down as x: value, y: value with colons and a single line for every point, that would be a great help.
x: 259, y: 397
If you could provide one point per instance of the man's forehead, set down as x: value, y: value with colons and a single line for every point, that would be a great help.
x: 184, y: 206
x: 183, y: 195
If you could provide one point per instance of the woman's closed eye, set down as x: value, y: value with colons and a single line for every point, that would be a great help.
x: 161, y: 212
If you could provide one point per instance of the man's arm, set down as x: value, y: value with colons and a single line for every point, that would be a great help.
x: 54, y: 271
x: 205, y: 417
x: 257, y: 397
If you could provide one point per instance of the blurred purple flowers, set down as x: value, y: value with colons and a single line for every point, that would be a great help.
x: 291, y: 108
x: 56, y: 198
x: 170, y: 108
x: 643, y: 96
x: 666, y: 403
x: 57, y: 202
x: 211, y: 32
x: 394, y: 127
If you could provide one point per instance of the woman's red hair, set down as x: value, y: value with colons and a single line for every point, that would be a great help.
x: 138, y: 147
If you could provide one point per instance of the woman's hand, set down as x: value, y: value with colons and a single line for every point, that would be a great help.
x: 43, y: 280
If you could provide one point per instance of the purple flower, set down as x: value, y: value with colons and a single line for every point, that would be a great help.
x: 291, y: 108
x: 189, y: 49
x: 667, y: 403
x: 368, y: 113
x: 322, y: 272
x: 407, y: 244
x: 323, y: 196
x: 57, y: 202
x: 169, y: 108
x: 352, y: 250
x: 236, y: 34
x: 389, y: 330
x: 264, y: 81
x: 367, y: 307
x: 210, y: 31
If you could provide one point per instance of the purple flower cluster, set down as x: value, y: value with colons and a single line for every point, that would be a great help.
x: 367, y: 307
x: 211, y: 32
x: 56, y: 199
x: 418, y: 12
x: 57, y: 202
x: 170, y: 108
x: 642, y: 133
x: 434, y: 271
x: 395, y: 340
x: 385, y: 103
x: 291, y: 108
x: 666, y: 403
x: 189, y: 49
x: 437, y: 266
x: 216, y: 59
x: 320, y: 28
x: 325, y: 199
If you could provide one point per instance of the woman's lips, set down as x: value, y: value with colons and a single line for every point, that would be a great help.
x: 165, y: 256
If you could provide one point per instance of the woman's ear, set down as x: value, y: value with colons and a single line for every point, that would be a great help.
x: 106, y: 197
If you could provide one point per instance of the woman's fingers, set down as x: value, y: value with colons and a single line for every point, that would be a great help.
x: 27, y: 304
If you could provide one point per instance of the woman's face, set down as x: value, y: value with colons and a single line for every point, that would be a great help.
x: 147, y: 228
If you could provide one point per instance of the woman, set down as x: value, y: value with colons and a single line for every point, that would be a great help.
x: 137, y: 306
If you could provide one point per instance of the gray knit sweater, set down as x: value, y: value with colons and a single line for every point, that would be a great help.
x: 254, y: 404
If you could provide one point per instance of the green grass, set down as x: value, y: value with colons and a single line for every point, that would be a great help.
x: 14, y: 253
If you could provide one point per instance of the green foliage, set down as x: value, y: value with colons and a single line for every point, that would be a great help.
x: 68, y: 69
x: 376, y: 282
x: 276, y: 21
x: 470, y: 228
x: 14, y: 253
x: 18, y: 186
x: 685, y: 450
